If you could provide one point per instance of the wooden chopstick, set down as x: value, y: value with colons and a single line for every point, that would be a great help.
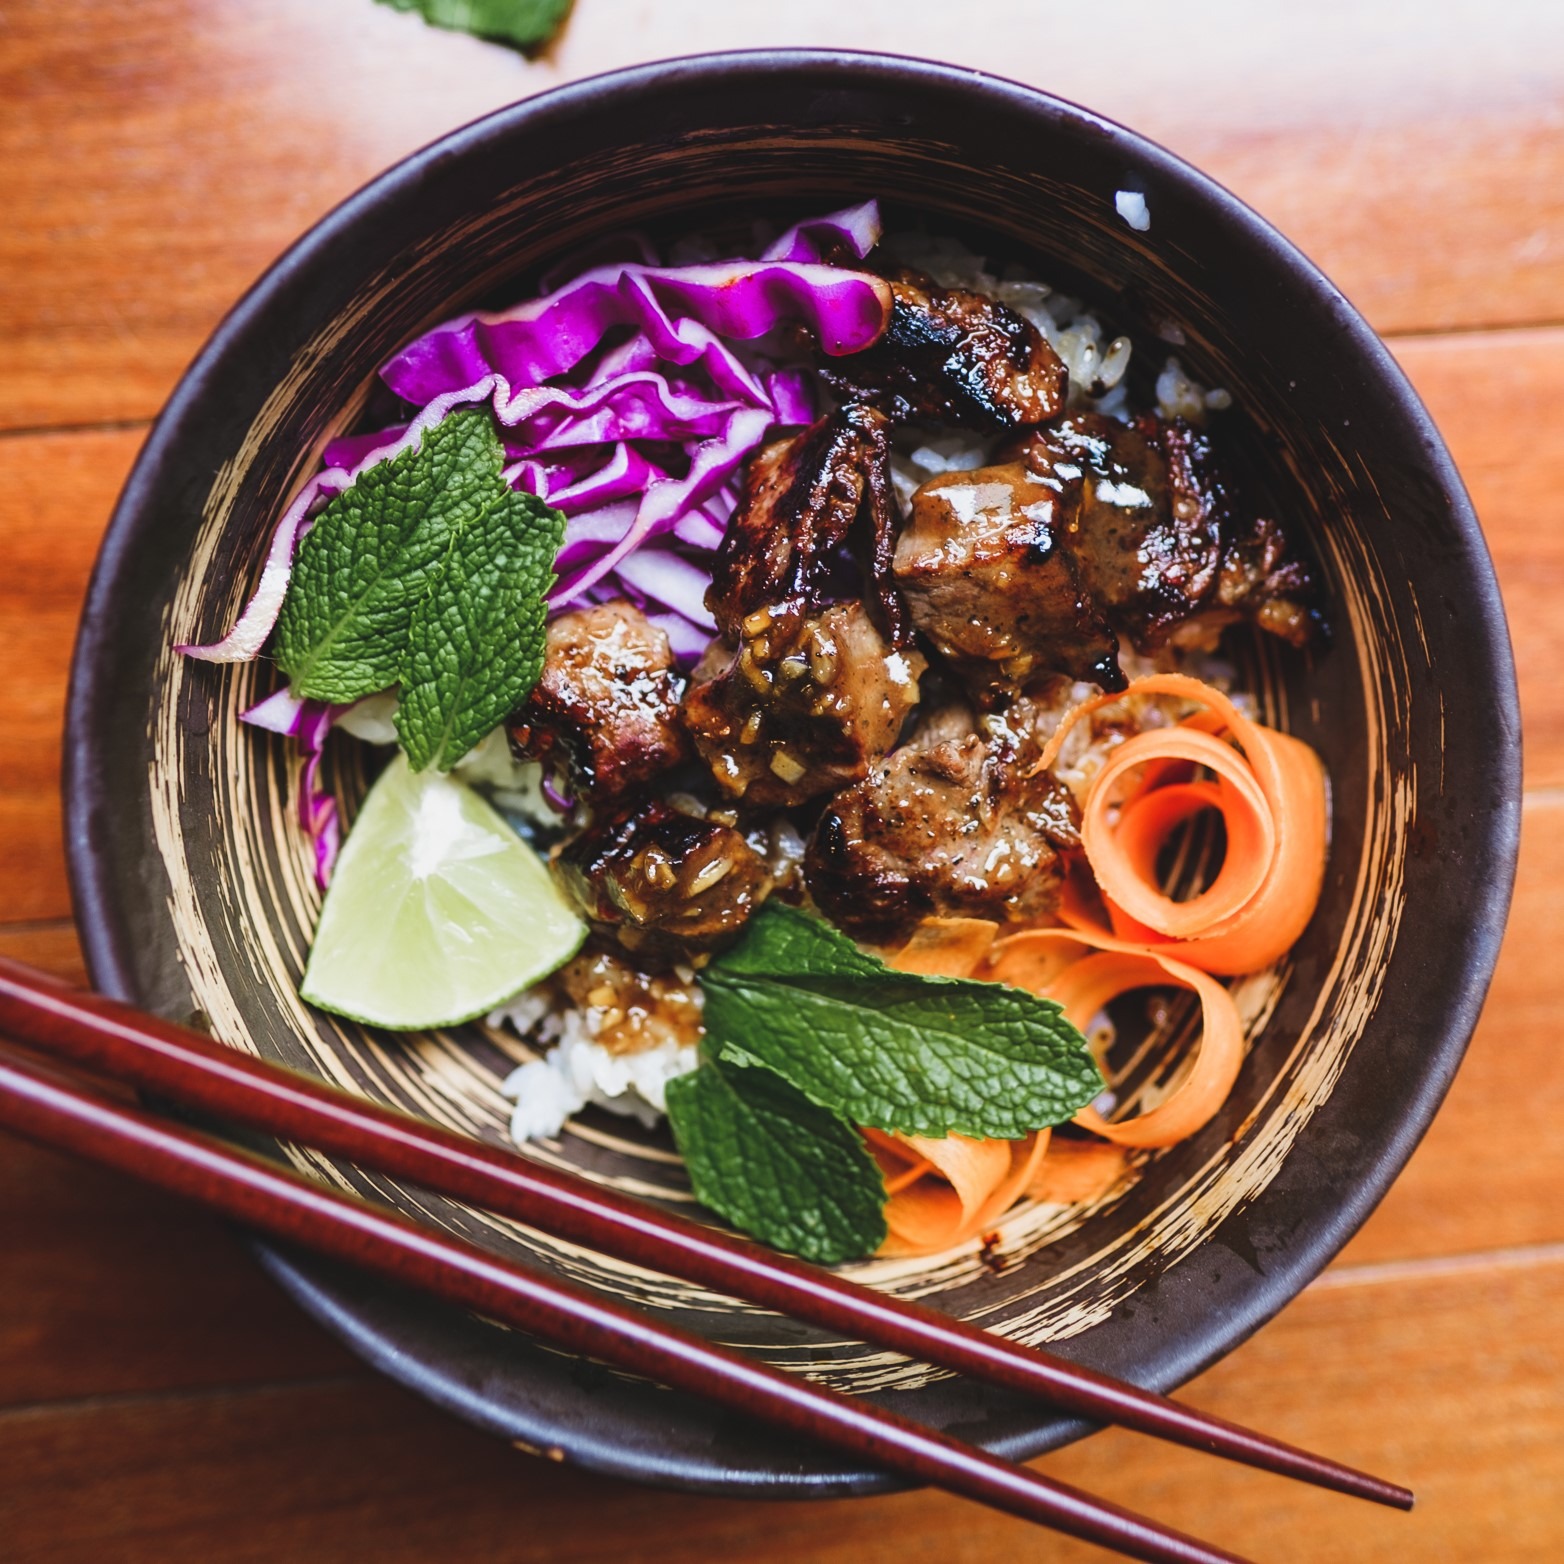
x: 72, y: 1118
x: 122, y: 1042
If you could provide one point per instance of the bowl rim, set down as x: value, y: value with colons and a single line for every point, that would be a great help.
x: 1192, y: 1343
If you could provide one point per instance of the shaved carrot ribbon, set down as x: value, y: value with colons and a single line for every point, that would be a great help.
x: 1050, y: 962
x: 945, y: 947
x: 1075, y: 1171
x: 974, y: 1183
x: 1270, y: 789
x: 949, y: 1191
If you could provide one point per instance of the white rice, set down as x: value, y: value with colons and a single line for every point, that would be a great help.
x: 579, y: 1070
x: 1131, y: 206
x: 1180, y: 397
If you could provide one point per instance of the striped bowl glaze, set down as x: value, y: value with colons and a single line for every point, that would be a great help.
x: 194, y: 887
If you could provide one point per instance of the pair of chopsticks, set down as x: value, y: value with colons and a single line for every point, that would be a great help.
x: 117, y: 1041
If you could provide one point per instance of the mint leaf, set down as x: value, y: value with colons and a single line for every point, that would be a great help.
x: 895, y: 1051
x: 528, y: 24
x: 783, y: 943
x: 775, y: 1165
x: 475, y: 645
x: 430, y: 572
x: 374, y: 553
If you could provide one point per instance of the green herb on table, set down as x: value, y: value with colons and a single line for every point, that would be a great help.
x: 430, y: 572
x: 527, y: 24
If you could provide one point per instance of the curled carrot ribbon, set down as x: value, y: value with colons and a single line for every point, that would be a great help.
x: 958, y: 1188
x: 950, y: 1190
x: 1051, y: 962
x: 1270, y: 790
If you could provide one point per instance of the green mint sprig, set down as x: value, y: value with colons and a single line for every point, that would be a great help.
x: 475, y: 645
x: 808, y: 1036
x: 762, y: 1155
x: 892, y: 1050
x: 430, y: 572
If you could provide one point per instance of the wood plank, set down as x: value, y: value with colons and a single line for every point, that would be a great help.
x: 56, y: 492
x: 1501, y: 1129
x: 1498, y: 398
x: 1444, y: 1379
x: 52, y: 946
x: 111, y: 1287
x: 1414, y: 155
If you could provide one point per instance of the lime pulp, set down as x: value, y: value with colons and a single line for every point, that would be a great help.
x: 437, y: 910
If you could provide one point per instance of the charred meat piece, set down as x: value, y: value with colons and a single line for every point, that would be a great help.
x: 1149, y: 551
x: 954, y: 357
x: 606, y: 710
x: 1098, y: 530
x: 662, y: 882
x: 1164, y: 548
x: 987, y: 566
x: 947, y: 825
x: 801, y: 498
x: 802, y: 707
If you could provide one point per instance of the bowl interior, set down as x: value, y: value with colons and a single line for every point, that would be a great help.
x: 195, y: 889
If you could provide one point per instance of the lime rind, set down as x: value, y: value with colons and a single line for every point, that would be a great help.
x: 437, y: 912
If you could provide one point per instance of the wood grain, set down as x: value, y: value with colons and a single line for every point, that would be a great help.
x: 1414, y: 153
x: 50, y: 945
x: 111, y: 1288
x: 1501, y: 1129
x: 158, y: 1399
x: 1496, y: 397
x: 56, y: 491
x: 369, y: 1473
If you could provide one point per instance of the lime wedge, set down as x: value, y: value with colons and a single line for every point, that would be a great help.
x: 437, y: 910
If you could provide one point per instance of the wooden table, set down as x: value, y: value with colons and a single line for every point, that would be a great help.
x: 158, y: 1399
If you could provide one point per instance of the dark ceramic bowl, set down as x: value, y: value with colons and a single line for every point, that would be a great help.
x: 193, y: 888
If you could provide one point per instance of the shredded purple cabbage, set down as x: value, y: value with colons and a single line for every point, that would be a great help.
x: 622, y: 401
x: 687, y: 313
x: 855, y: 230
x: 672, y: 380
x: 308, y: 722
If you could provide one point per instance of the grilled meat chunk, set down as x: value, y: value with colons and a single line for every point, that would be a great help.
x: 989, y: 575
x: 662, y: 882
x: 954, y: 357
x: 801, y: 498
x: 1097, y: 531
x: 1164, y: 548
x: 606, y: 710
x: 802, y: 707
x: 947, y: 825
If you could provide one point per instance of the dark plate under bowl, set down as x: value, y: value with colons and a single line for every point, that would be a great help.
x: 193, y: 888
